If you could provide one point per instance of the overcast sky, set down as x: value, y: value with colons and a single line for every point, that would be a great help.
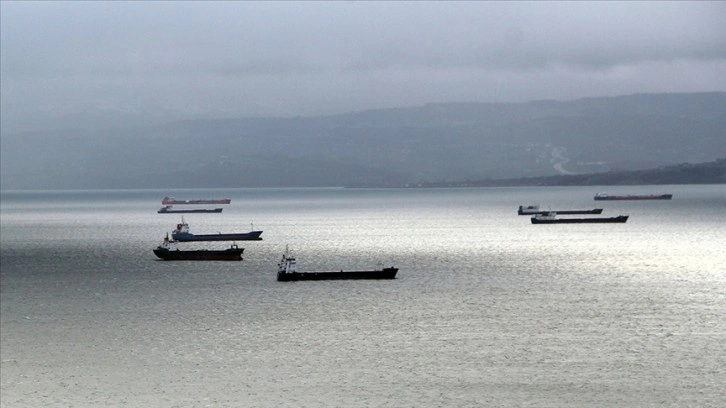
x: 242, y: 59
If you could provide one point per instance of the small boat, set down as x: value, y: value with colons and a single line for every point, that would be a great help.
x: 287, y: 271
x: 606, y: 197
x: 168, y: 209
x: 534, y: 209
x: 169, y: 252
x: 172, y: 201
x: 182, y: 234
x: 551, y: 218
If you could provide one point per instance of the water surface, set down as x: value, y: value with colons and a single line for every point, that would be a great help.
x: 487, y: 309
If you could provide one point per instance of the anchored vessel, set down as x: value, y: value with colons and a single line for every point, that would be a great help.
x: 182, y: 234
x: 168, y: 252
x: 172, y: 201
x: 168, y: 209
x: 605, y: 197
x: 534, y: 209
x: 551, y: 218
x: 287, y: 271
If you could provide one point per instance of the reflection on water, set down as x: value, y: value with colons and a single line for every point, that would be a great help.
x: 487, y: 308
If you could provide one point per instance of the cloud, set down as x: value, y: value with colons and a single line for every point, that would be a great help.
x: 318, y: 57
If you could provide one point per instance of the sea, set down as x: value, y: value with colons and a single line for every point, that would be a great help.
x: 487, y: 309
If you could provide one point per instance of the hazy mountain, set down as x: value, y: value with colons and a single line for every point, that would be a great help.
x: 685, y: 173
x: 430, y: 143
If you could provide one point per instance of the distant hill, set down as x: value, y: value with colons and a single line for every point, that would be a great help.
x: 434, y: 143
x: 686, y: 173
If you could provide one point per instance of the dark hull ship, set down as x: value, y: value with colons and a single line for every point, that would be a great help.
x: 182, y: 234
x: 170, y: 210
x: 385, y: 273
x: 534, y: 210
x: 168, y: 252
x: 287, y: 272
x: 609, y: 197
x: 551, y: 218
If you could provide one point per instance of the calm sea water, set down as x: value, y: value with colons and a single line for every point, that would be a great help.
x: 487, y: 310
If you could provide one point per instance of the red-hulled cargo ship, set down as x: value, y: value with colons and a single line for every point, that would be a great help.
x: 174, y: 201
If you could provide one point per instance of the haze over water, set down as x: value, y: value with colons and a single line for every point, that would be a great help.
x: 487, y: 309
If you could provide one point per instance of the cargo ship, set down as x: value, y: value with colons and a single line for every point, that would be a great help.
x: 168, y: 209
x: 169, y: 252
x: 551, y: 218
x: 534, y: 209
x: 182, y: 234
x: 287, y: 271
x: 605, y: 197
x: 173, y: 201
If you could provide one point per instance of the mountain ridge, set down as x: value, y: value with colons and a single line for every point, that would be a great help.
x: 684, y: 173
x: 432, y: 143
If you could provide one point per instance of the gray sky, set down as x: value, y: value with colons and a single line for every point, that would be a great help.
x: 242, y: 59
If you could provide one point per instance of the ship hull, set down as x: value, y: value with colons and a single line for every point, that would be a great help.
x: 386, y: 273
x: 247, y: 236
x: 569, y: 212
x: 618, y: 219
x: 633, y: 197
x: 173, y: 201
x: 230, y: 254
x: 216, y: 210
